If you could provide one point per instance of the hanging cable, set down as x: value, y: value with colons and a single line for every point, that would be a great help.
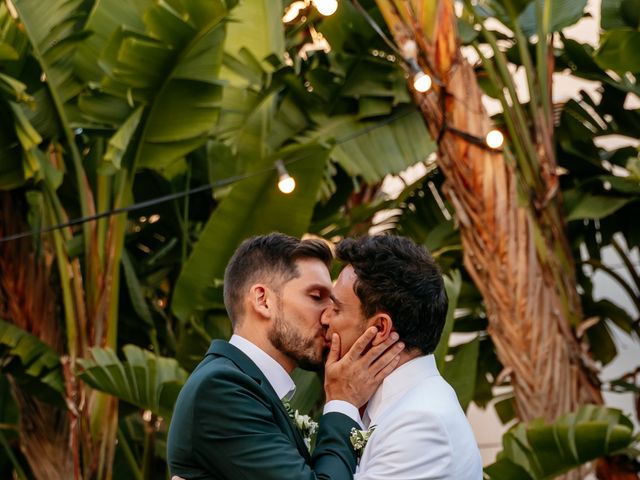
x: 202, y: 188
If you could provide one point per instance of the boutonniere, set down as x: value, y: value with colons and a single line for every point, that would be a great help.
x: 359, y: 439
x: 305, y: 424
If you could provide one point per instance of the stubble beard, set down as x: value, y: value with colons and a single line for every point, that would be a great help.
x: 293, y: 344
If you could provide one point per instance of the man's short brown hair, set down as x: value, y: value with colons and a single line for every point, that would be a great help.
x: 269, y: 259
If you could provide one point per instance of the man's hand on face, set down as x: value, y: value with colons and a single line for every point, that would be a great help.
x: 356, y: 376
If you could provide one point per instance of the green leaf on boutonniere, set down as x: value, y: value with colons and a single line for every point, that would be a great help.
x: 359, y: 439
x: 305, y: 424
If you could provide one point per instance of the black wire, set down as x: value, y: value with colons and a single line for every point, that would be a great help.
x: 377, y: 28
x: 134, y: 206
x: 191, y: 191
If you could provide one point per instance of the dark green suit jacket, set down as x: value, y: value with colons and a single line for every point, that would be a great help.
x: 229, y: 424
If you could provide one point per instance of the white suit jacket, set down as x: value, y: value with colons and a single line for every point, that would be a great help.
x: 421, y: 431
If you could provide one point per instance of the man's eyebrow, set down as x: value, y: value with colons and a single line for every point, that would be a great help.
x: 335, y: 300
x: 319, y: 287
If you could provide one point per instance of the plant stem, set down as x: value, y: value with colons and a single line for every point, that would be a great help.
x: 14, y: 461
x: 149, y: 448
x: 627, y: 261
x: 185, y: 216
x: 616, y: 276
x: 128, y: 455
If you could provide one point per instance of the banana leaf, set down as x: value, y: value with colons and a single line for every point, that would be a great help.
x: 541, y: 450
x: 144, y: 379
x: 31, y: 363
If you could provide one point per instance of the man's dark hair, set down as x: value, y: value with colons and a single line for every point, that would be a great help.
x: 397, y: 277
x: 270, y: 259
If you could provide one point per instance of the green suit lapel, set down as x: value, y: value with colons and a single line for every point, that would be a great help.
x: 244, y: 363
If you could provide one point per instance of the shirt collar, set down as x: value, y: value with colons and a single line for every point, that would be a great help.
x: 397, y: 383
x: 274, y: 372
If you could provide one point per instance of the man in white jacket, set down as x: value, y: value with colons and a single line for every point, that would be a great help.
x: 419, y: 430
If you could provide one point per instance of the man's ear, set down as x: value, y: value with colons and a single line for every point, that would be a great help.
x: 384, y: 325
x: 261, y: 300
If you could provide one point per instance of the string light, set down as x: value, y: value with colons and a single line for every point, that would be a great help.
x: 494, y: 139
x: 326, y: 7
x: 421, y: 80
x: 296, y: 9
x: 286, y: 183
x: 293, y: 11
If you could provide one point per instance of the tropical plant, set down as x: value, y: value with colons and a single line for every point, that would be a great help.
x: 102, y: 125
x: 539, y: 450
x: 108, y: 106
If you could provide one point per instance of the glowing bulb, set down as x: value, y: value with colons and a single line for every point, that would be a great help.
x: 286, y: 184
x: 421, y: 82
x: 293, y: 11
x: 326, y: 7
x: 494, y: 139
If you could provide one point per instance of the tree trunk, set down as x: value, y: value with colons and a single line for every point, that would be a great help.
x: 517, y: 254
x: 44, y: 437
x: 28, y: 299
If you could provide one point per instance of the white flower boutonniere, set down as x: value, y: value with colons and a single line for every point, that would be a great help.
x: 359, y: 439
x: 305, y: 424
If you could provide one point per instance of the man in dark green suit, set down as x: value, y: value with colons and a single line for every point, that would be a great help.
x: 229, y: 422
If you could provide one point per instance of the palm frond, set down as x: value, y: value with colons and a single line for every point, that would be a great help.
x: 145, y: 380
x: 32, y: 363
x: 539, y: 450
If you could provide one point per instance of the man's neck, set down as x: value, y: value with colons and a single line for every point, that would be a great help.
x: 406, y: 356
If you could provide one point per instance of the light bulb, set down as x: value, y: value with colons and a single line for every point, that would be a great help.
x: 286, y: 184
x: 494, y: 139
x: 293, y: 11
x: 421, y: 82
x: 326, y: 7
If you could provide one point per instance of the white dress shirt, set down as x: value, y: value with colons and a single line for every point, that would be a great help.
x: 421, y: 431
x: 281, y: 381
x: 274, y: 372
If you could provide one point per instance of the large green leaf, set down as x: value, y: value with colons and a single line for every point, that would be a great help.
x: 136, y: 294
x: 619, y: 50
x: 13, y: 172
x: 452, y: 283
x: 563, y: 14
x: 145, y: 380
x: 168, y: 63
x: 52, y: 30
x: 254, y: 206
x: 540, y: 451
x: 32, y: 363
x: 255, y: 33
x: 373, y: 149
x: 461, y: 371
x: 619, y: 14
x: 105, y: 17
x: 593, y: 206
x: 7, y: 52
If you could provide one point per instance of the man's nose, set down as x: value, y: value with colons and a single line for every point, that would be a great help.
x: 324, y: 318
